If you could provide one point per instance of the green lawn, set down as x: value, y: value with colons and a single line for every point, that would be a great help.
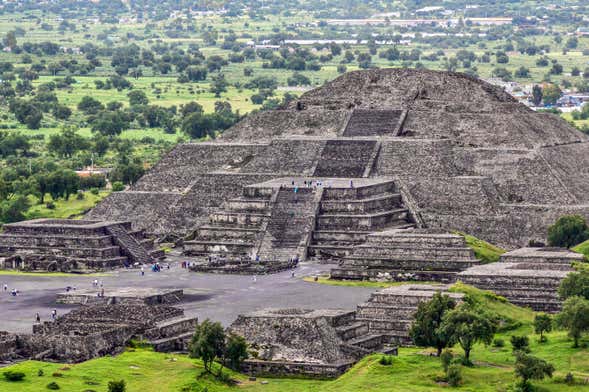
x: 582, y: 248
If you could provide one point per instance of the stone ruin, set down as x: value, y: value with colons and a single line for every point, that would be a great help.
x: 416, y: 148
x: 325, y: 343
x: 127, y: 296
x: 407, y: 255
x: 319, y: 343
x: 97, y: 330
x: 526, y: 277
x: 74, y: 245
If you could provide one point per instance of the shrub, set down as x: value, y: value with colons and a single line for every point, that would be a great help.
x: 569, y: 230
x: 53, y: 385
x: 94, y: 191
x: 569, y: 379
x: 40, y: 373
x: 520, y: 343
x: 498, y: 342
x: 117, y: 386
x: 11, y: 375
x: 386, y: 360
x: 118, y: 186
x: 80, y: 195
x: 50, y: 205
x: 454, y: 375
x: 446, y: 358
x: 57, y: 374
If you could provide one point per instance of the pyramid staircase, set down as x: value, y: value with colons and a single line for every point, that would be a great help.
x: 348, y: 216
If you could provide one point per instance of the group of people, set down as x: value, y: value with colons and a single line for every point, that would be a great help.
x: 53, y: 316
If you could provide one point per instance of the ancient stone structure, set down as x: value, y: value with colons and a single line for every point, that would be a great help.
x: 73, y: 245
x: 319, y: 343
x: 435, y: 149
x: 526, y: 277
x: 407, y: 255
x: 97, y: 330
x: 128, y: 296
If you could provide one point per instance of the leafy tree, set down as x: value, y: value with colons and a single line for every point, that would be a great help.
x: 529, y: 367
x: 568, y: 231
x: 110, y: 123
x: 191, y: 107
x: 428, y: 318
x: 62, y: 112
x: 67, y: 143
x: 551, y: 94
x: 236, y: 351
x: 575, y: 284
x: 137, y: 97
x: 127, y: 172
x: 218, y: 85
x: 537, y: 95
x: 208, y: 343
x: 574, y: 317
x: 542, y: 324
x: 467, y: 326
x: 90, y: 105
x: 520, y: 343
x: 13, y: 210
x: 198, y: 125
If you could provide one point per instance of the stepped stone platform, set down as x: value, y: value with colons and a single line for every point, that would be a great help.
x: 277, y: 223
x: 74, y: 245
x: 97, y: 330
x: 317, y: 343
x: 391, y: 311
x: 128, y: 295
x: 407, y: 255
x: 526, y: 277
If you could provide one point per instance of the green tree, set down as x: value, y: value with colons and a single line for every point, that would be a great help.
x: 67, y: 142
x: 89, y: 105
x: 467, y: 326
x: 537, y: 95
x: 568, y: 231
x: 551, y: 93
x: 529, y: 367
x: 236, y: 351
x: 542, y: 324
x: 520, y: 343
x: 208, y: 343
x: 110, y: 123
x: 575, y: 284
x: 137, y: 98
x: 218, y: 85
x: 428, y: 318
x: 574, y: 317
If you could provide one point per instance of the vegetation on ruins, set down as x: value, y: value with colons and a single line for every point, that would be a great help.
x: 568, y: 231
x: 483, y: 250
x: 425, y: 329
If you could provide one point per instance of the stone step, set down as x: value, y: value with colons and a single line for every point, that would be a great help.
x: 106, y: 252
x: 337, y: 236
x: 48, y: 262
x: 55, y: 240
x: 362, y: 222
x: 399, y: 326
x: 368, y: 342
x: 238, y: 218
x: 172, y: 343
x: 197, y: 247
x: 355, y: 260
x: 393, y: 275
x: 247, y: 204
x: 380, y: 202
x: 171, y: 327
x: 359, y: 192
x: 384, y: 312
x: 419, y: 241
x: 347, y: 332
x: 379, y: 251
x: 226, y: 232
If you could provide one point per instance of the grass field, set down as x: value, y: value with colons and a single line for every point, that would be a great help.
x: 484, y: 251
x: 413, y: 370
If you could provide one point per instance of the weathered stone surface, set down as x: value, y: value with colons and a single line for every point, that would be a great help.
x: 129, y: 295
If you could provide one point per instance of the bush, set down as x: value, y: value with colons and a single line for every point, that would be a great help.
x: 11, y: 375
x: 520, y: 343
x: 118, y: 186
x: 80, y: 195
x: 569, y: 230
x: 50, y: 205
x: 454, y: 375
x: 117, y: 386
x: 53, y: 385
x: 498, y: 342
x: 95, y: 191
x: 40, y: 373
x: 57, y: 374
x: 446, y: 358
x: 386, y: 360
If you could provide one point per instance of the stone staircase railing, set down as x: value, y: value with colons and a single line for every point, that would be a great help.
x: 129, y: 245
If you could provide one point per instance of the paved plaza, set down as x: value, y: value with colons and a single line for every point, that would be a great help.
x: 218, y: 297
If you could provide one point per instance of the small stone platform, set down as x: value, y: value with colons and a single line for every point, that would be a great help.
x: 69, y: 245
x: 526, y: 277
x: 128, y: 295
x: 407, y: 255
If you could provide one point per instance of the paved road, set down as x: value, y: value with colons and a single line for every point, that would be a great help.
x: 218, y: 297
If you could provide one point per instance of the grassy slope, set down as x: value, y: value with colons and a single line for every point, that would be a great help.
x: 71, y: 208
x: 483, y: 250
x: 582, y: 248
x: 413, y: 370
